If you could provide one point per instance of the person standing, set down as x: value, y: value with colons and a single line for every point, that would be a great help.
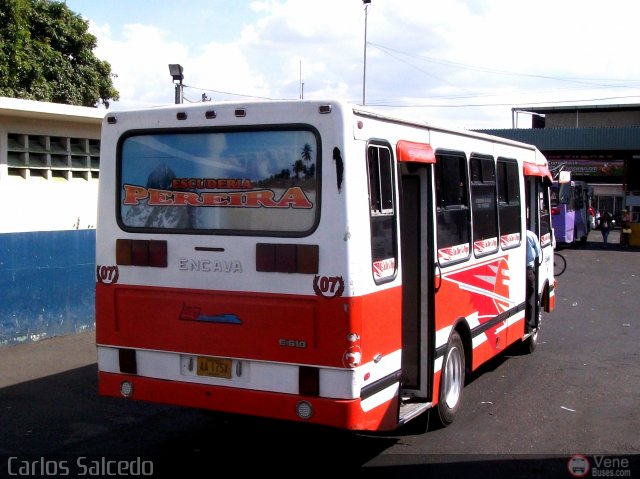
x: 592, y: 219
x: 625, y: 232
x: 534, y: 253
x: 605, y: 226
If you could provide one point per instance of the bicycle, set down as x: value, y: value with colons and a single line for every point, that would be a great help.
x: 559, y: 264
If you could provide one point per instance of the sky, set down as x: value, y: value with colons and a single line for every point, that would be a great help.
x: 457, y: 63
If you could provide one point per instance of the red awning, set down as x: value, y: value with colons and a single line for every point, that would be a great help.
x: 537, y: 170
x: 416, y: 152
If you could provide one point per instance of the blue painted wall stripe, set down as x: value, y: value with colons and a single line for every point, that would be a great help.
x: 47, y: 284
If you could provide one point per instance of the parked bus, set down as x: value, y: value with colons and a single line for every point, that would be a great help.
x: 311, y: 261
x: 570, y: 211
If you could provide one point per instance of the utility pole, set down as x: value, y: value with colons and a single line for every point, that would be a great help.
x: 301, y: 84
x: 364, y: 70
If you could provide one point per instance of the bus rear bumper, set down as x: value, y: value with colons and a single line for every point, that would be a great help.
x: 341, y: 414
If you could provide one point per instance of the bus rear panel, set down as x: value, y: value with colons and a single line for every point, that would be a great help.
x: 223, y: 282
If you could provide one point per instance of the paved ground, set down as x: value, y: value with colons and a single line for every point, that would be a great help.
x: 595, y: 237
x: 26, y: 362
x: 523, y: 416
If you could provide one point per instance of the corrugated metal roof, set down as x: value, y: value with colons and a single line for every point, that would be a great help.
x: 581, y: 108
x: 574, y: 139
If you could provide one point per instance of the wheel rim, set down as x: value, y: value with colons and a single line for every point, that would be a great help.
x: 453, y: 378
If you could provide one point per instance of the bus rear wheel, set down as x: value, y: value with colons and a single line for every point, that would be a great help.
x: 451, y: 381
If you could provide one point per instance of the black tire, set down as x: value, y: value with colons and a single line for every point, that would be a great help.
x: 451, y: 381
x: 559, y: 264
x: 529, y: 345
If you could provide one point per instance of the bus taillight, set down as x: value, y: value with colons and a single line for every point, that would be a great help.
x: 141, y: 253
x: 287, y: 258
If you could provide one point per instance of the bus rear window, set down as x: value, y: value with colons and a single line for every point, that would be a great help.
x: 227, y: 182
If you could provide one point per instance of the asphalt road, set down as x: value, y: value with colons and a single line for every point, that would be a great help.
x: 523, y: 416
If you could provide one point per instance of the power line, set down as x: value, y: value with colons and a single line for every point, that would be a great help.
x: 234, y: 94
x: 396, y: 54
x: 465, y: 66
x: 468, y: 105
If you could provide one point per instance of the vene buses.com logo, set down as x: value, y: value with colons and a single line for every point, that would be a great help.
x: 599, y: 466
x: 578, y: 466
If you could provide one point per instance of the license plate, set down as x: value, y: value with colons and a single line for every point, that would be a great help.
x: 214, y: 367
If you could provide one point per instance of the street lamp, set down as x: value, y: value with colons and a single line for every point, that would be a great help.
x: 364, y: 70
x: 176, y: 72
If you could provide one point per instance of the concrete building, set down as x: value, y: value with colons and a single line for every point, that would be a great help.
x: 599, y: 144
x: 49, y: 170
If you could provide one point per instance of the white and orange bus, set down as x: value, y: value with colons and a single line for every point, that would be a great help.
x: 311, y: 260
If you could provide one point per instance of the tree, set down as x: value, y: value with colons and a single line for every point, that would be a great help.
x: 298, y: 167
x: 306, y: 152
x: 306, y: 156
x: 46, y: 54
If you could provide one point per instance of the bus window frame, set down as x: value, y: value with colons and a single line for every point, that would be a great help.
x: 442, y: 208
x: 481, y: 181
x: 383, y: 214
x: 226, y: 129
x: 512, y: 199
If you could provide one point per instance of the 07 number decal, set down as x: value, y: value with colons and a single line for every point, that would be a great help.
x: 328, y: 286
x: 107, y: 274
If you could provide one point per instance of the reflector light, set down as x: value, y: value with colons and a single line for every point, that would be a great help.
x: 308, y: 381
x: 241, y: 112
x: 181, y: 115
x: 304, y: 410
x: 324, y: 109
x: 210, y: 114
x: 126, y: 389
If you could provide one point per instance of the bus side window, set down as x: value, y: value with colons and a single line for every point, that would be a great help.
x: 579, y: 197
x: 566, y: 195
x: 453, y: 215
x: 509, y: 202
x: 483, y: 200
x: 382, y: 213
x: 545, y: 214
